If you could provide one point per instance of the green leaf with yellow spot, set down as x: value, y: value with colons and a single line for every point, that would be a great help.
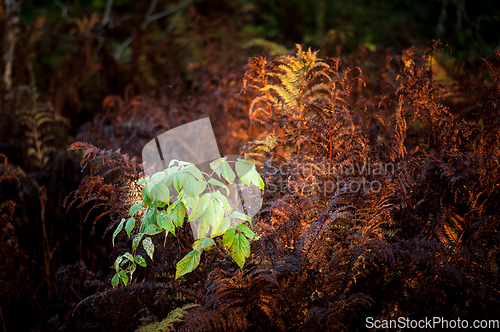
x: 188, y: 263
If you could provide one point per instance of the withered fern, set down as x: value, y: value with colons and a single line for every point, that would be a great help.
x: 383, y: 207
x: 249, y: 299
x: 111, y: 184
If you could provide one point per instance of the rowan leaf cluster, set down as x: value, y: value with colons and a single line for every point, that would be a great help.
x: 184, y: 193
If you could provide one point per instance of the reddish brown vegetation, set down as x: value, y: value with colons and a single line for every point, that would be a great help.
x: 424, y: 245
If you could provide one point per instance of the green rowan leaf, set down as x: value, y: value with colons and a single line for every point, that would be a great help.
x: 165, y: 223
x: 199, y: 209
x: 223, y: 200
x: 118, y: 230
x: 159, y: 177
x: 224, y: 225
x: 116, y: 265
x: 190, y: 202
x: 176, y: 181
x: 140, y: 260
x: 197, y: 244
x: 149, y: 247
x: 171, y: 174
x: 191, y: 186
x: 177, y: 211
x: 215, y: 182
x: 159, y: 192
x: 124, y: 277
x: 215, y: 211
x: 152, y: 229
x: 151, y: 214
x: 222, y: 167
x: 143, y: 180
x: 137, y: 240
x: 130, y: 225
x: 147, y: 200
x: 135, y: 208
x: 188, y: 263
x: 206, y: 243
x: 228, y: 237
x: 115, y: 280
x: 148, y: 219
x: 247, y: 231
x: 194, y: 171
x: 248, y: 173
x: 171, y: 170
x: 210, y: 213
x: 242, y: 216
x: 128, y: 256
x: 240, y: 249
x: 203, y: 227
x: 216, y: 165
x: 131, y: 269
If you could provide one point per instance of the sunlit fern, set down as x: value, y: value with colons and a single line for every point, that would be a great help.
x: 167, y: 324
x: 448, y: 70
x: 34, y: 116
x: 453, y: 228
x: 258, y: 148
x: 286, y: 87
x: 298, y: 86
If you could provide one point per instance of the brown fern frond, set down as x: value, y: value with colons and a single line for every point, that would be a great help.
x: 237, y: 301
x: 111, y: 183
